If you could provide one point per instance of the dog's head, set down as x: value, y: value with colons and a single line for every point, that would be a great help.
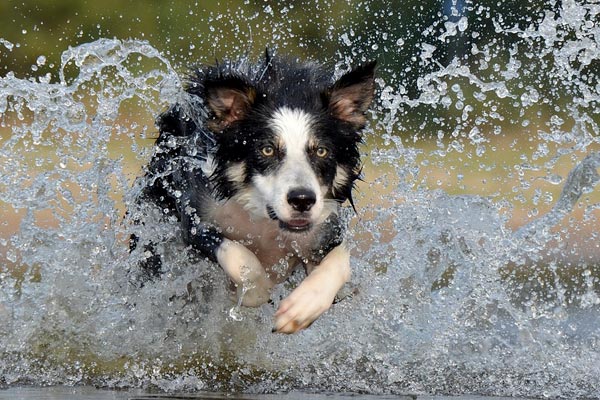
x: 286, y: 136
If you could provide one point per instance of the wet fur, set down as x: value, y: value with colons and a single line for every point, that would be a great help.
x: 255, y: 167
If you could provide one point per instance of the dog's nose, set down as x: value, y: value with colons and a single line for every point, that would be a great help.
x: 301, y: 199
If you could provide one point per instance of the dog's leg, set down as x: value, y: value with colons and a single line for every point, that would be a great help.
x: 151, y: 264
x: 315, y: 294
x: 247, y: 273
x: 241, y: 265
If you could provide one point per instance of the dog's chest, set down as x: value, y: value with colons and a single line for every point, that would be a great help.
x: 275, y: 250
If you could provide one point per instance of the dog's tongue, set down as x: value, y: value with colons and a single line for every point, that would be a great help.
x: 298, y: 222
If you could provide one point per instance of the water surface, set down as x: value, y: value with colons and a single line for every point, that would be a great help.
x: 87, y: 393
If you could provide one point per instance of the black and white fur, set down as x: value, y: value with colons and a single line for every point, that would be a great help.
x: 255, y: 167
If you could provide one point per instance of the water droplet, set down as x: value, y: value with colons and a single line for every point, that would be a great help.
x: 235, y: 313
x: 553, y: 179
x: 463, y: 24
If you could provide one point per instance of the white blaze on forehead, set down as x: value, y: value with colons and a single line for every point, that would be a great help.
x: 293, y: 128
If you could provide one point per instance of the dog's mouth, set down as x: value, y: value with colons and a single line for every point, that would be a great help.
x: 297, y: 224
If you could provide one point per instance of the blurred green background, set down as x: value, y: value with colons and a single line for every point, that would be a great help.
x: 391, y: 31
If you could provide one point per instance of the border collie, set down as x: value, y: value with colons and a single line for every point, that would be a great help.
x: 255, y: 167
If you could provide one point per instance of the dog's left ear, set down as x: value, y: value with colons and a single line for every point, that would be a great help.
x: 229, y: 100
x: 352, y: 94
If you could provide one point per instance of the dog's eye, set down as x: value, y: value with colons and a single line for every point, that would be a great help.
x: 267, y: 151
x: 322, y: 152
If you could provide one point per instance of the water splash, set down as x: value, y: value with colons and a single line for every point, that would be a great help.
x: 445, y: 296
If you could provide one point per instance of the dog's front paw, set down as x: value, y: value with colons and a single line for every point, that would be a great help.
x: 315, y: 294
x: 301, y: 308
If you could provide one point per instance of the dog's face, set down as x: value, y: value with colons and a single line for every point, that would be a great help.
x: 287, y: 142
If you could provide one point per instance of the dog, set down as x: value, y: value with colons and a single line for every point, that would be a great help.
x: 255, y: 166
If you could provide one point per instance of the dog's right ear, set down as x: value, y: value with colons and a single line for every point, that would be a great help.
x: 229, y: 100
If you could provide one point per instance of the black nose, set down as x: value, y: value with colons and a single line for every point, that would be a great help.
x: 301, y: 199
